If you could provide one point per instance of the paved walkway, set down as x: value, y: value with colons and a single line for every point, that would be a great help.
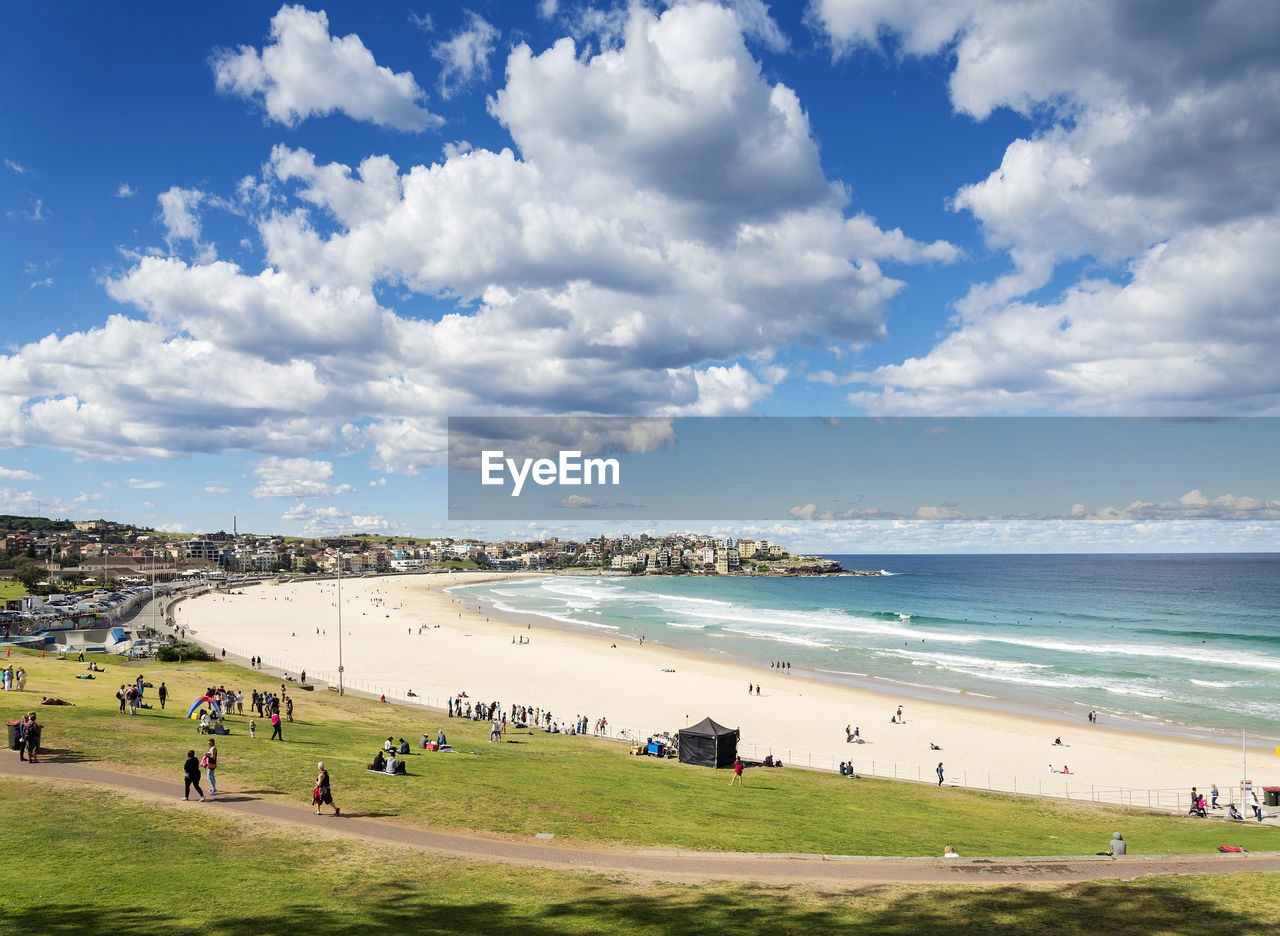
x: 660, y: 863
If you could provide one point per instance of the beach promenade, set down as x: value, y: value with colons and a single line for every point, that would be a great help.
x: 405, y: 634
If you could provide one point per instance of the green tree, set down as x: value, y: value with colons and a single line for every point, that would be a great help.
x: 28, y: 572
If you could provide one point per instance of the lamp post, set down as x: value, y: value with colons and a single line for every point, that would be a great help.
x: 340, y: 686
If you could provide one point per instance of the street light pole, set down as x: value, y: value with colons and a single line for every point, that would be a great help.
x: 340, y: 686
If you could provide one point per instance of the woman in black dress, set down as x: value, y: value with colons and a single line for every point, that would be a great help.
x: 322, y: 795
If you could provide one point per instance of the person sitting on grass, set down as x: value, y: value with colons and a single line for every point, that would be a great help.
x: 379, y: 762
x: 391, y: 762
x: 1118, y: 846
x: 1233, y: 813
x: 950, y: 852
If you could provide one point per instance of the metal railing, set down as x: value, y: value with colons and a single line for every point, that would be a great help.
x: 1055, y: 787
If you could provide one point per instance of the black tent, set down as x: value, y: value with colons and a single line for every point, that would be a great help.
x: 707, y: 744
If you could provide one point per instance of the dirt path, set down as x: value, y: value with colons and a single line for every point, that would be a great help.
x: 664, y: 864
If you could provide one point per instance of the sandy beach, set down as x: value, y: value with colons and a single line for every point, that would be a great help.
x: 404, y: 633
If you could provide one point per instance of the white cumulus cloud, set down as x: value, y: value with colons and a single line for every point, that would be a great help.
x: 1154, y: 155
x: 18, y: 474
x: 305, y: 72
x: 464, y: 57
x: 660, y: 231
x: 296, y: 477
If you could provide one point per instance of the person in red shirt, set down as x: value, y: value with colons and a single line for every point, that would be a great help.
x: 737, y: 772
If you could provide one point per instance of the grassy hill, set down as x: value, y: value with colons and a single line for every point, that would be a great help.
x: 576, y: 787
x: 86, y: 861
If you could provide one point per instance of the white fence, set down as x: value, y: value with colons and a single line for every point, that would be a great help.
x: 1058, y: 786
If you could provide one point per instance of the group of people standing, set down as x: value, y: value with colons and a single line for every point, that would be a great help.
x: 13, y: 679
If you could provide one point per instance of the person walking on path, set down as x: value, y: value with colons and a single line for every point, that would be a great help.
x: 737, y: 772
x: 275, y: 727
x: 322, y: 795
x: 210, y: 765
x: 31, y: 738
x: 162, y: 694
x: 939, y: 773
x: 191, y: 776
x: 1213, y: 797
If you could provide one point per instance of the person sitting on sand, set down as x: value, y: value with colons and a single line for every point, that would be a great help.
x: 934, y: 747
x: 1066, y: 769
x: 1057, y: 742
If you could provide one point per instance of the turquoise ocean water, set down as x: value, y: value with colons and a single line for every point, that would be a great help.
x: 1172, y: 642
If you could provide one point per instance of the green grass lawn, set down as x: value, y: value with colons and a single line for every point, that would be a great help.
x: 11, y: 589
x: 82, y: 862
x: 578, y: 788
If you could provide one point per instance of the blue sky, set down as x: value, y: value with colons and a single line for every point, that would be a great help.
x: 253, y: 257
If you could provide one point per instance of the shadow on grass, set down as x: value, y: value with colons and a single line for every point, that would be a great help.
x: 67, y: 756
x: 1124, y: 909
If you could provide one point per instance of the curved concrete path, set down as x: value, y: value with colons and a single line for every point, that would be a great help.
x: 660, y: 863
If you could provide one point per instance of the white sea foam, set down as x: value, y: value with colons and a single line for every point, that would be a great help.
x: 551, y: 616
x: 954, y: 661
x: 780, y: 638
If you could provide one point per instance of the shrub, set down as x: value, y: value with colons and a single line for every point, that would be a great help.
x: 182, y: 651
